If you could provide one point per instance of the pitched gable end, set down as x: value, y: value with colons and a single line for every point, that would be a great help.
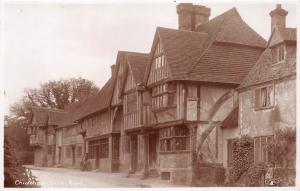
x: 158, y: 69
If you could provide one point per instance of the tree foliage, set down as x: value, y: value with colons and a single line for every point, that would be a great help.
x: 53, y: 94
x: 15, y: 175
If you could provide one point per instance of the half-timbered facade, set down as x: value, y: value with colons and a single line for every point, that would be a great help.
x: 148, y: 118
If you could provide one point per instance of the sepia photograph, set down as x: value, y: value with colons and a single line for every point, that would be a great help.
x: 167, y: 94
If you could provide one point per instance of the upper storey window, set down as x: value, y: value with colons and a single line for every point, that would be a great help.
x: 163, y: 96
x: 159, y: 69
x: 264, y: 97
x: 278, y: 53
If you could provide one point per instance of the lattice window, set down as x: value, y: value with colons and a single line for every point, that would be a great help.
x: 174, y: 139
x: 164, y: 95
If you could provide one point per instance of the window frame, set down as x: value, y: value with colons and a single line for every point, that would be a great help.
x: 162, y: 94
x: 169, y: 136
x: 264, y: 156
x: 264, y: 100
x: 103, y: 145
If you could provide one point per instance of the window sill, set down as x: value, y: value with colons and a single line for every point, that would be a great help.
x: 263, y: 108
x: 163, y: 108
x: 174, y: 152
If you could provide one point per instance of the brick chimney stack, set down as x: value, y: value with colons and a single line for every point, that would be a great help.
x: 191, y: 16
x: 83, y: 91
x: 201, y: 14
x: 278, y: 17
x: 185, y: 16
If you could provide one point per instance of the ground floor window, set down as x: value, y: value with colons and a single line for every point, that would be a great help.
x: 261, y: 151
x: 98, y: 148
x: 115, y: 147
x: 174, y: 139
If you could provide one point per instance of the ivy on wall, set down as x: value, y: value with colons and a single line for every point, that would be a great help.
x: 243, y: 157
x: 284, y: 144
x: 244, y: 171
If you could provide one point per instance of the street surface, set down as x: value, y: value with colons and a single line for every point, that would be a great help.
x: 62, y: 177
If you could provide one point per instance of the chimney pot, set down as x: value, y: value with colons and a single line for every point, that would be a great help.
x: 201, y: 14
x: 191, y: 16
x: 83, y: 91
x: 278, y: 17
x: 185, y: 16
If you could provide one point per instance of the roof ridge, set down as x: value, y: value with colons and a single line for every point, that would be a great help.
x: 185, y: 31
x: 48, y: 109
x: 130, y: 52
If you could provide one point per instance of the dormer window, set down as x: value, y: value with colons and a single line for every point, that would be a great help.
x: 278, y: 53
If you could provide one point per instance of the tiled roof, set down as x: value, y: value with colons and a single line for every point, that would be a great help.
x: 181, y: 48
x: 54, y: 117
x: 96, y: 102
x: 70, y: 116
x: 40, y: 116
x: 264, y: 70
x: 230, y: 27
x: 289, y: 34
x: 222, y: 50
x: 137, y: 63
x: 45, y: 116
x: 231, y: 121
x: 90, y: 105
x: 225, y: 64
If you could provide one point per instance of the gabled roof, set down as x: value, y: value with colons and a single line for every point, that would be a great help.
x: 192, y: 55
x: 181, y: 49
x: 45, y: 116
x: 264, y: 71
x: 99, y: 101
x: 137, y: 64
x: 222, y: 63
x: 229, y: 27
x: 92, y: 104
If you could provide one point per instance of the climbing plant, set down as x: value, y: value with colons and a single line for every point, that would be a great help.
x: 243, y: 157
x: 284, y: 144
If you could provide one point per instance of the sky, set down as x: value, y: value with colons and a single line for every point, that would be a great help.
x: 47, y: 41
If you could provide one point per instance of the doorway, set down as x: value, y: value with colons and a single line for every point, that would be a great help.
x: 59, y: 155
x: 115, y: 153
x: 73, y: 155
x: 97, y: 162
x: 134, y: 157
x: 152, y: 150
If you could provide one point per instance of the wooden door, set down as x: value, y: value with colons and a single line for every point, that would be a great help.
x: 134, y: 147
x: 73, y: 155
x: 152, y: 150
x: 59, y: 155
x: 115, y: 153
x: 97, y: 162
